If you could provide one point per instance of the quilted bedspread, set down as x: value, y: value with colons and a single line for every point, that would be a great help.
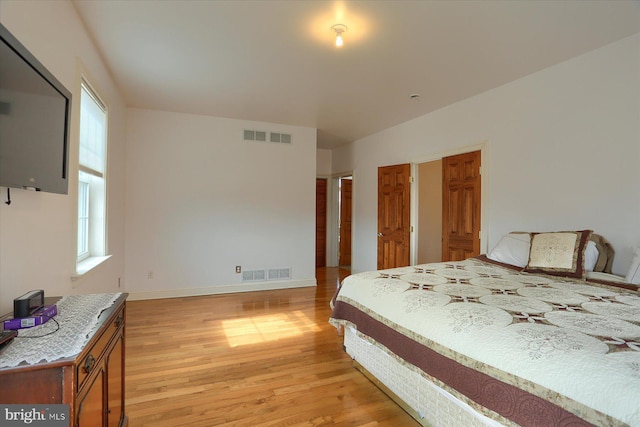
x: 569, y: 343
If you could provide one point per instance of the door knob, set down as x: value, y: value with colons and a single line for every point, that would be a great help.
x: 380, y: 234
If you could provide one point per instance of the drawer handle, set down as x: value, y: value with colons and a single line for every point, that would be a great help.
x: 88, y: 363
x: 119, y: 321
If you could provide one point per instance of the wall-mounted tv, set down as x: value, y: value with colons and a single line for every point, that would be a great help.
x: 35, y: 111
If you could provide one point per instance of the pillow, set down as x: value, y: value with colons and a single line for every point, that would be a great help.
x: 512, y: 249
x: 591, y: 255
x: 609, y: 279
x: 633, y: 276
x: 605, y: 253
x: 558, y: 253
x: 605, y: 277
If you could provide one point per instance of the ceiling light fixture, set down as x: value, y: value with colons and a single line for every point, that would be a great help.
x: 339, y: 29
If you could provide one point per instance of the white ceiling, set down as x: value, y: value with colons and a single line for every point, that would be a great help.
x: 275, y: 61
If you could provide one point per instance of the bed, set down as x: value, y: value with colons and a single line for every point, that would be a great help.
x: 487, y: 342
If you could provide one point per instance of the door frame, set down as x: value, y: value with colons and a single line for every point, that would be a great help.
x: 327, y: 183
x: 329, y: 216
x: 483, y: 147
x: 341, y: 220
x: 333, y: 215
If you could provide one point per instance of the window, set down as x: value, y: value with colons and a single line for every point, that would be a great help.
x: 91, y: 179
x: 83, y: 220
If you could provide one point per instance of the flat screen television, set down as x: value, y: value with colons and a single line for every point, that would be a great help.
x: 35, y: 111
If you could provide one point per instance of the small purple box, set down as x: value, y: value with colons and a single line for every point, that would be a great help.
x: 37, y: 318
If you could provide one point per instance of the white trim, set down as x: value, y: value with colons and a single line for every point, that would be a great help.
x: 90, y: 171
x: 222, y: 289
x: 413, y: 214
x: 86, y: 265
x: 453, y: 152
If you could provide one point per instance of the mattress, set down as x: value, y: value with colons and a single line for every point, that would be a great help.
x: 518, y: 348
x: 428, y: 403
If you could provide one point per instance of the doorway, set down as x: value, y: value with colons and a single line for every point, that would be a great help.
x: 429, y: 235
x: 345, y: 189
x: 427, y: 215
x: 339, y: 215
x: 321, y: 222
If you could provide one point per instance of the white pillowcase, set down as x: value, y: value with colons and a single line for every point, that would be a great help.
x: 591, y: 255
x: 633, y: 276
x: 607, y: 277
x: 512, y: 249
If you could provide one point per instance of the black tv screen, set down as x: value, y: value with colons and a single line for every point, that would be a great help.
x: 34, y: 121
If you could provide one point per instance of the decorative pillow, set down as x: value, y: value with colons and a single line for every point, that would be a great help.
x: 558, y: 253
x: 633, y: 276
x: 605, y: 253
x: 512, y: 249
x: 591, y: 256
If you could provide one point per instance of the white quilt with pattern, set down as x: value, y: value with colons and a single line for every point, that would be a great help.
x: 577, y: 342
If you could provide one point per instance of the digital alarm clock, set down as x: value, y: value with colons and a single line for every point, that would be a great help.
x: 26, y: 304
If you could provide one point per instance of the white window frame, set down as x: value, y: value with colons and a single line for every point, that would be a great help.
x: 92, y: 196
x: 83, y: 219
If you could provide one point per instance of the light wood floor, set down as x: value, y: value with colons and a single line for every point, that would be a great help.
x: 248, y: 359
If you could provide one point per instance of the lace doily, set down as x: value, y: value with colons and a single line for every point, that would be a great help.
x: 78, y: 319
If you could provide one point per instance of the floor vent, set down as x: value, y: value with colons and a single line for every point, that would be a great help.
x: 261, y: 136
x: 264, y: 275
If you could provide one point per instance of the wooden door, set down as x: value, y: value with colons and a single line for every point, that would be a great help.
x: 321, y: 222
x: 461, y: 206
x: 393, y: 215
x: 345, y: 222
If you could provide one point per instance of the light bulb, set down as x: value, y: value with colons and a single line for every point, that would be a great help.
x: 339, y: 29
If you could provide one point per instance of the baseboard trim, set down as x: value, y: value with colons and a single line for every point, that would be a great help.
x: 222, y: 289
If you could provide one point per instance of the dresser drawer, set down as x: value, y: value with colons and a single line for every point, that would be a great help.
x: 93, y: 356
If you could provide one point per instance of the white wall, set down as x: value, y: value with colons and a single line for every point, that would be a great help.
x: 562, y: 152
x: 200, y: 201
x: 37, y: 235
x: 323, y: 163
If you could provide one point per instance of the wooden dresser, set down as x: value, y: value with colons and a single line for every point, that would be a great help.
x: 91, y: 383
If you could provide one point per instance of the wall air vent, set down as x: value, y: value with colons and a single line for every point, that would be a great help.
x: 254, y: 275
x: 255, y: 135
x: 279, y: 273
x: 284, y: 138
x: 260, y: 135
x: 264, y: 275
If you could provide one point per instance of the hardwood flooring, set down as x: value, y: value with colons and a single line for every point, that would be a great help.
x: 248, y: 359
